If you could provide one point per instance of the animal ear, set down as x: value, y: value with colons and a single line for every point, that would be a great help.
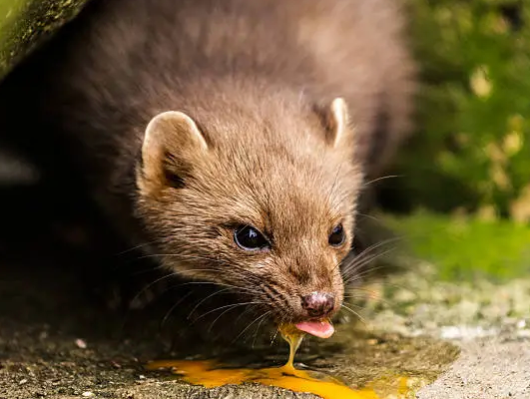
x: 336, y: 120
x: 172, y: 144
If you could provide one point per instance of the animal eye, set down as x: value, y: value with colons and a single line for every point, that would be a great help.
x: 250, y: 239
x: 337, y: 236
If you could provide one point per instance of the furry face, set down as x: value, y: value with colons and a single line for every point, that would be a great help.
x: 256, y: 201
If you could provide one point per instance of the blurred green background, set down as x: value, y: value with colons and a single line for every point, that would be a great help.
x: 464, y: 178
x: 471, y: 151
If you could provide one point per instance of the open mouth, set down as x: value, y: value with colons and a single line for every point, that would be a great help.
x: 319, y: 328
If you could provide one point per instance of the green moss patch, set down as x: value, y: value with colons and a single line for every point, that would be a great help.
x: 467, y: 248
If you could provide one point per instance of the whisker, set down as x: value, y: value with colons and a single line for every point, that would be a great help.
x: 354, y: 313
x: 274, y: 337
x: 371, y: 217
x: 181, y: 256
x: 247, y: 327
x: 360, y: 263
x: 370, y: 182
x: 131, y: 249
x: 352, y: 258
x: 355, y: 306
x: 171, y: 275
x: 381, y: 299
x: 145, y: 288
x: 380, y: 244
x: 358, y: 269
x: 205, y: 299
x: 149, y: 269
x: 173, y: 307
x: 361, y: 275
x: 224, y: 312
x: 360, y: 295
x: 224, y: 307
x: 366, y: 252
x: 257, y: 330
x: 235, y: 287
x: 245, y: 311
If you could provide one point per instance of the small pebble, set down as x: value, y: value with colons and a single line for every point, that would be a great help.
x: 524, y: 334
x: 87, y: 394
x: 80, y: 343
x: 21, y: 382
x: 115, y: 364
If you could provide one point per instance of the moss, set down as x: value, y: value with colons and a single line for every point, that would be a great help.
x: 467, y: 248
x: 24, y: 24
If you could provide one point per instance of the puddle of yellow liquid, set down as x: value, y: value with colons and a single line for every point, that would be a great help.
x: 211, y: 374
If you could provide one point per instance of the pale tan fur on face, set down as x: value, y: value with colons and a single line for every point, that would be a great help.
x: 245, y: 170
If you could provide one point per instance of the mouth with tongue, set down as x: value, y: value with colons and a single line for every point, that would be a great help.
x: 318, y: 328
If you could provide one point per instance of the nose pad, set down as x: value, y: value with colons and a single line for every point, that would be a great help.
x: 318, y: 304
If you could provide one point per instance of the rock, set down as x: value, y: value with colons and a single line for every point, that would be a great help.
x: 24, y: 24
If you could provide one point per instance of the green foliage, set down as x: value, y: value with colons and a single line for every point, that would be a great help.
x: 472, y: 147
x: 465, y: 249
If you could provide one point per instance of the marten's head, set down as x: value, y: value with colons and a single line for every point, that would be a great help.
x: 260, y: 199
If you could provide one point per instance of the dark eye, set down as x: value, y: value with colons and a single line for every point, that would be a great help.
x: 250, y: 239
x: 337, y: 236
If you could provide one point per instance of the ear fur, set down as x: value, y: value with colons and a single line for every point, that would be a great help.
x: 339, y: 133
x: 339, y: 117
x: 172, y: 142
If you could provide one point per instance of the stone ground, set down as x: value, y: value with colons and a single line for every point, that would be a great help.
x: 489, y: 322
x: 492, y: 368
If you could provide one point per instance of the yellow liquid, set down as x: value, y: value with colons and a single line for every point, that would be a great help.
x: 211, y: 374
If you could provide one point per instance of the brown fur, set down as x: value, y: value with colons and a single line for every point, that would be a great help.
x: 258, y: 78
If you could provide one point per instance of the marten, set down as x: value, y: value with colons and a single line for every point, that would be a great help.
x: 232, y: 139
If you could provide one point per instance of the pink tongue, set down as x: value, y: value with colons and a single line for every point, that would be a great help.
x: 320, y: 328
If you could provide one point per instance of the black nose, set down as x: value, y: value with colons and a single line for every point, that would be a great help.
x: 318, y: 304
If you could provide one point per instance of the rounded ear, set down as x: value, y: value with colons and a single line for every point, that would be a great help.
x: 172, y: 143
x: 339, y: 133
